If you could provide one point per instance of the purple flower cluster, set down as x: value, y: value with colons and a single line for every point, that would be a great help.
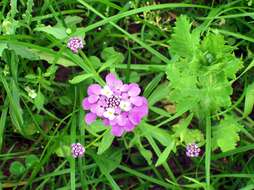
x: 192, y: 150
x: 77, y: 150
x: 75, y: 43
x: 118, y: 105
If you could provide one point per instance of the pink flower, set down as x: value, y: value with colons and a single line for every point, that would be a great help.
x: 75, y: 43
x: 192, y: 150
x: 77, y: 150
x: 118, y: 105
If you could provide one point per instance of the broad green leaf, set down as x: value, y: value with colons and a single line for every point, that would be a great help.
x: 109, y: 160
x: 96, y: 127
x: 17, y: 168
x: 63, y: 151
x: 164, y: 155
x: 249, y: 100
x: 23, y: 52
x: 58, y: 32
x: 80, y: 78
x: 110, y: 52
x: 51, y: 58
x: 105, y: 142
x: 96, y: 62
x: 225, y: 134
x: 72, y: 20
x: 160, y: 135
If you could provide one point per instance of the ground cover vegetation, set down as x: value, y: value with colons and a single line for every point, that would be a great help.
x: 107, y: 94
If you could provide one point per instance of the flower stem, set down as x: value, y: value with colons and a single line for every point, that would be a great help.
x: 208, y: 150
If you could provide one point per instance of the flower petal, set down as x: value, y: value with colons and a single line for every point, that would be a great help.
x: 110, y: 79
x: 94, y: 89
x: 134, y: 90
x: 90, y: 118
x: 129, y: 126
x: 135, y: 118
x: 137, y: 100
x: 85, y: 104
x: 93, y: 98
x: 121, y: 120
x: 98, y: 110
x: 117, y: 130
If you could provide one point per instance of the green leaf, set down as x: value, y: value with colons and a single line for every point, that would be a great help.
x: 17, y: 168
x: 147, y: 154
x: 39, y: 100
x: 58, y: 32
x: 28, y: 14
x: 109, y: 160
x: 249, y: 100
x: 110, y: 52
x: 96, y: 62
x: 105, y: 142
x: 51, y: 70
x: 225, y: 134
x: 96, y: 127
x: 111, y: 57
x: 51, y: 58
x: 183, y: 42
x: 31, y: 160
x: 159, y: 93
x: 23, y: 52
x: 159, y: 134
x: 164, y: 155
x: 80, y: 78
x: 3, y: 46
x: 63, y: 151
x: 72, y: 20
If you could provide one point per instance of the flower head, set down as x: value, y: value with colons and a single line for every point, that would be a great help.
x: 192, y: 150
x: 77, y: 150
x: 75, y: 43
x: 118, y: 105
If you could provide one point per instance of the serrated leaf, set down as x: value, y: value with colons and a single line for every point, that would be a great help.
x: 225, y: 134
x: 183, y: 42
x: 105, y: 142
x: 80, y: 78
x: 164, y: 155
x: 249, y: 100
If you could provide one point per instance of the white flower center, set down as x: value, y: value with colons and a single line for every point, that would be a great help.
x: 109, y: 113
x: 125, y: 105
x: 106, y: 91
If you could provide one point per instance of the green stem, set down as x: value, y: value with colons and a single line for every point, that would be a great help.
x: 208, y: 151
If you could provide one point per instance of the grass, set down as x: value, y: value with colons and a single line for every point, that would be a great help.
x: 132, y: 39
